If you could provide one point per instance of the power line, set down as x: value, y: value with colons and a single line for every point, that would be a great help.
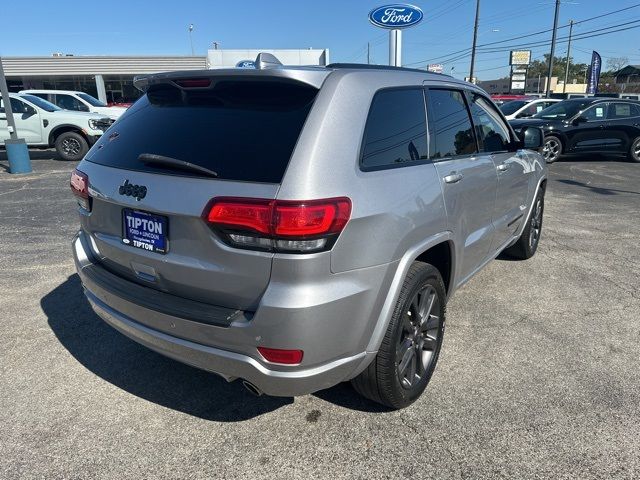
x: 578, y: 36
x: 467, y: 50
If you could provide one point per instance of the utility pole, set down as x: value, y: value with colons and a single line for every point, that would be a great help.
x: 566, y: 72
x: 475, y: 40
x: 553, y: 48
x: 368, y: 53
x: 539, y: 83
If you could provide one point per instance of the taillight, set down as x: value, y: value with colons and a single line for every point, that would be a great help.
x: 279, y: 225
x: 80, y: 187
x: 277, y: 355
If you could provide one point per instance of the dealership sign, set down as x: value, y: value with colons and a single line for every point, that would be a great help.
x: 594, y: 73
x: 520, y: 57
x: 396, y: 16
x: 246, y: 64
x: 435, y: 67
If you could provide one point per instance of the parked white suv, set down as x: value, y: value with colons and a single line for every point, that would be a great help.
x: 45, y: 125
x: 526, y: 107
x: 77, y: 101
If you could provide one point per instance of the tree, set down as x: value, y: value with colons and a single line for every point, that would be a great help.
x: 615, y: 64
x: 541, y: 67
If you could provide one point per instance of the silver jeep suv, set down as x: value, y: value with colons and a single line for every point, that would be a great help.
x: 296, y: 227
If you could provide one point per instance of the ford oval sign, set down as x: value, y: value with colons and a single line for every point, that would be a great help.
x: 246, y: 64
x: 400, y: 15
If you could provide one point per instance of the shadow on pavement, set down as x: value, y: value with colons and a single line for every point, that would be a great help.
x: 345, y: 396
x: 600, y: 190
x: 142, y: 372
x: 34, y: 155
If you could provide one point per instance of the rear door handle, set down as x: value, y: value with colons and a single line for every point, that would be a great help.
x: 503, y: 167
x: 453, y: 177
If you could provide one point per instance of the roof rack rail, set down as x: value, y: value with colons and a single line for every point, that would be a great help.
x: 366, y: 66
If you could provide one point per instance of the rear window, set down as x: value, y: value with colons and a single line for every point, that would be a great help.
x: 242, y: 130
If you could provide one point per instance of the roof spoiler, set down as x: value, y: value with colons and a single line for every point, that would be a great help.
x: 312, y: 76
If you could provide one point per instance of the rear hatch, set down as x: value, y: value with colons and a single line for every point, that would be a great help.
x: 147, y: 220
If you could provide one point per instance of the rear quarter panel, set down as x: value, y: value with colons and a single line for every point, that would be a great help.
x: 392, y: 210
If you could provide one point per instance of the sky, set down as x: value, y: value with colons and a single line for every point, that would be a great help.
x: 116, y: 27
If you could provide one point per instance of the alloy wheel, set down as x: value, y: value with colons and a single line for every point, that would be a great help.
x: 421, y: 327
x: 635, y: 150
x: 536, y: 224
x: 551, y: 150
x: 71, y: 146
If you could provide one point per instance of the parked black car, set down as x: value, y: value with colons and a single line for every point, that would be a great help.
x: 588, y: 125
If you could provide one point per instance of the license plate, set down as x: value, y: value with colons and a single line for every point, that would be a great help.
x: 144, y: 230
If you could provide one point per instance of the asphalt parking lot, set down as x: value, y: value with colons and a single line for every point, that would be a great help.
x: 539, y: 375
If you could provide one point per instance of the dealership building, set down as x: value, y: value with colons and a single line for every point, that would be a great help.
x: 110, y: 78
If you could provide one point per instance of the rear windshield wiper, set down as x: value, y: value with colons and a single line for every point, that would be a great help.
x: 153, y: 159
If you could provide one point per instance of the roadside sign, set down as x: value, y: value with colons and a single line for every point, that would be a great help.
x: 395, y: 16
x: 520, y: 57
x: 435, y: 67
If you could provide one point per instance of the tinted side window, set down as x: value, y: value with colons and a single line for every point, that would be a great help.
x: 396, y: 130
x: 18, y: 106
x: 70, y: 103
x: 623, y: 110
x: 492, y: 133
x: 450, y: 127
x: 44, y: 96
x: 595, y: 113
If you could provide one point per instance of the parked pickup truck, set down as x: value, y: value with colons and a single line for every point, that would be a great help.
x: 77, y: 101
x: 45, y: 125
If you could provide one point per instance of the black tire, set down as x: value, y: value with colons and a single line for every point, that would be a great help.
x: 71, y: 146
x: 389, y: 379
x: 527, y: 244
x: 552, y: 148
x: 634, y: 151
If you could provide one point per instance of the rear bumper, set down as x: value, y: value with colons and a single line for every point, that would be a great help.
x: 332, y: 355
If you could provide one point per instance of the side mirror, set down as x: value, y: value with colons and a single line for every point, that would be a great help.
x: 579, y: 120
x: 82, y: 107
x: 532, y: 138
x: 29, y: 111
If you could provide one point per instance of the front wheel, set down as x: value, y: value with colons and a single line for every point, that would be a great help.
x: 552, y: 148
x: 634, y: 152
x: 409, y: 351
x: 71, y: 146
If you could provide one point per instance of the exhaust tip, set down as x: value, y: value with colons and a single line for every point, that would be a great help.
x: 253, y: 390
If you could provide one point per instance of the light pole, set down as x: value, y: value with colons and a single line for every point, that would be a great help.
x: 17, y: 151
x: 553, y: 48
x: 191, y: 38
x: 566, y: 72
